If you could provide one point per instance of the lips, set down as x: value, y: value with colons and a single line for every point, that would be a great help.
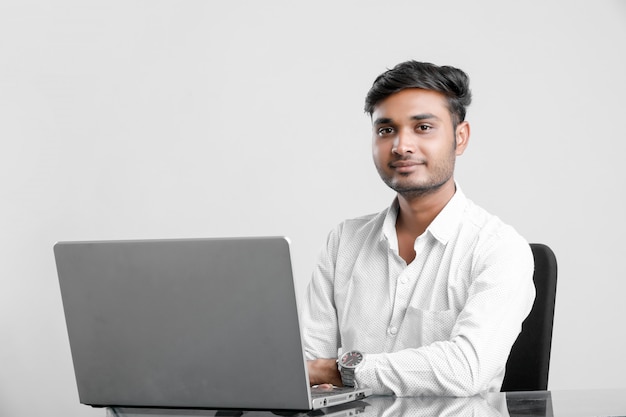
x: 406, y: 163
x: 399, y: 164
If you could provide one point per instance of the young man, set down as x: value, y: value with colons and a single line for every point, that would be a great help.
x: 428, y: 296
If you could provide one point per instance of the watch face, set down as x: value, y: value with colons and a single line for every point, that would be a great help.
x: 351, y: 359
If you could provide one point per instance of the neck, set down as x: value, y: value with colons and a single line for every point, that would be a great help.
x: 417, y: 212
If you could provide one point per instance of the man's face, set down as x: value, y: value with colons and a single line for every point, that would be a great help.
x: 414, y: 141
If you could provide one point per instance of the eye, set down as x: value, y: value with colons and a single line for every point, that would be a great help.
x: 424, y: 128
x: 385, y: 131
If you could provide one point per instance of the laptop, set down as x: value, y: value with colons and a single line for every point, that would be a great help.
x: 187, y: 323
x: 350, y: 409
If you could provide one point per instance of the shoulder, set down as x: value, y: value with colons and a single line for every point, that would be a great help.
x: 362, y: 225
x: 351, y: 235
x: 493, y: 239
x: 486, y: 225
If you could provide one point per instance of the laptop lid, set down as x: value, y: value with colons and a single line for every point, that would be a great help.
x: 207, y: 323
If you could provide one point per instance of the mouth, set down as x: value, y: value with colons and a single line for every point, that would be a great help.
x: 406, y: 165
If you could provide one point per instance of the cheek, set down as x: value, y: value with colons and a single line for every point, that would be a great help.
x: 440, y: 149
x: 380, y: 148
x: 377, y: 156
x: 375, y: 149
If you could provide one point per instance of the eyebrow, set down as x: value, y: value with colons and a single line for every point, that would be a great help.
x: 417, y: 117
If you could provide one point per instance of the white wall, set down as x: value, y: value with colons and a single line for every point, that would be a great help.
x: 153, y: 119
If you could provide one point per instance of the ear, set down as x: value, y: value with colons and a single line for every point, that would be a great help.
x: 462, y: 137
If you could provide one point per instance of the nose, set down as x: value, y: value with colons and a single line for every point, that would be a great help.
x: 404, y: 143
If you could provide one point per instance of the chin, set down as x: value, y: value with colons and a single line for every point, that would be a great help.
x: 416, y: 189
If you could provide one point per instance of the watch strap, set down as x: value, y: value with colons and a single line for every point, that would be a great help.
x: 347, y: 376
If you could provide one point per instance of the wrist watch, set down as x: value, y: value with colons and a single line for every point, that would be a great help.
x: 347, y: 363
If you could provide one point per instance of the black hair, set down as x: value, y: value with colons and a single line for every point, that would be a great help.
x: 451, y: 82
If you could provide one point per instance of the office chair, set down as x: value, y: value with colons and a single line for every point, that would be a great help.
x: 529, y: 360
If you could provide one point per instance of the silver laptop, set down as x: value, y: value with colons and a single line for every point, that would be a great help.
x: 350, y: 409
x: 189, y: 323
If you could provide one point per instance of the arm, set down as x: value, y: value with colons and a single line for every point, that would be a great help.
x: 499, y: 298
x: 321, y: 330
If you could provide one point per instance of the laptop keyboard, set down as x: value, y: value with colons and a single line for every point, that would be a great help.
x: 317, y: 392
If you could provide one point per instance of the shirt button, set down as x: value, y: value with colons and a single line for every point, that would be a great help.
x: 393, y: 331
x: 404, y: 280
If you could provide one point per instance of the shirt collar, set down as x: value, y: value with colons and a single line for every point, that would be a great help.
x: 445, y: 225
x: 441, y: 228
x: 389, y: 225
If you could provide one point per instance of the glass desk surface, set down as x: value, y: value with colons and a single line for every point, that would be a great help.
x: 536, y: 403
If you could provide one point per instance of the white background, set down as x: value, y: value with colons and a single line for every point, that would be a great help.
x: 158, y: 119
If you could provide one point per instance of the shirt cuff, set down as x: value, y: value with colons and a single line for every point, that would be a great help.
x: 365, y: 375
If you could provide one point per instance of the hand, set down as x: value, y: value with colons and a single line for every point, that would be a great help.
x: 324, y: 372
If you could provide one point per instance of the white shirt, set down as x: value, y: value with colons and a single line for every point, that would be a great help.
x: 444, y: 324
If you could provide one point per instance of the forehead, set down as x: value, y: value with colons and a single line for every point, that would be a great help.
x: 411, y: 102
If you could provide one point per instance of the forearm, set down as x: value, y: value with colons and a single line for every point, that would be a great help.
x: 440, y: 369
x: 472, y: 361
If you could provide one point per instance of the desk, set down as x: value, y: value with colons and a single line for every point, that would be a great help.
x: 537, y: 403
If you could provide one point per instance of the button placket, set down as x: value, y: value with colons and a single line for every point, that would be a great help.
x: 401, y: 300
x: 404, y: 285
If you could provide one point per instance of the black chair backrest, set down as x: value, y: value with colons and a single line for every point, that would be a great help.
x: 529, y: 362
